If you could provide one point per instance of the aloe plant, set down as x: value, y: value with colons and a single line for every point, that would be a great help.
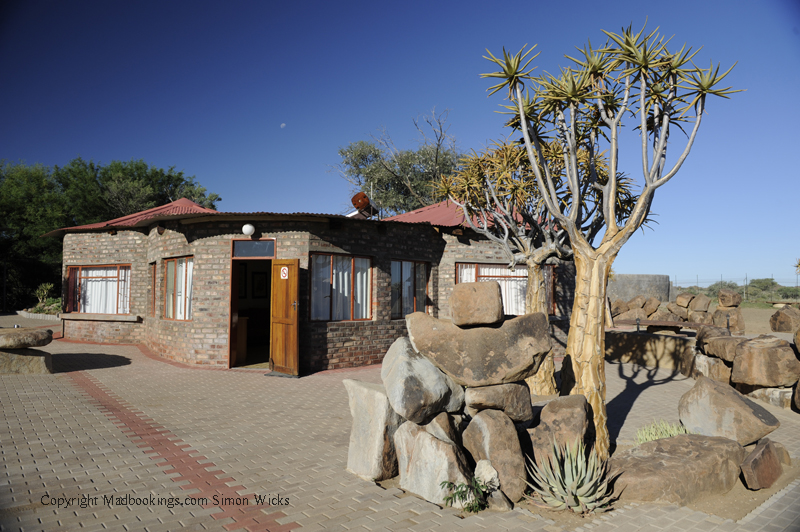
x: 568, y: 480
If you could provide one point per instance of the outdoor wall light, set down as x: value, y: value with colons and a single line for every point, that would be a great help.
x: 248, y: 229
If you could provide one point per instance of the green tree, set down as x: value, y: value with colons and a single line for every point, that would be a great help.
x: 713, y: 290
x: 582, y: 108
x: 397, y: 180
x: 763, y: 285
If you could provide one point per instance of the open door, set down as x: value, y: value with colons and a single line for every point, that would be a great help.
x: 284, y: 351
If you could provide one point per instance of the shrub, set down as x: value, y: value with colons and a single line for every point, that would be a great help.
x: 42, y: 292
x: 765, y: 285
x: 789, y: 292
x: 658, y: 430
x: 567, y: 480
x: 472, y: 495
x: 713, y: 290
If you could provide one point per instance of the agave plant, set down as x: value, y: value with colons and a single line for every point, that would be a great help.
x: 658, y: 430
x: 568, y: 480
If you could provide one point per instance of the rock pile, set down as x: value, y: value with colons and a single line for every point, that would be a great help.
x: 643, y: 308
x: 764, y: 368
x: 16, y: 355
x: 454, y: 397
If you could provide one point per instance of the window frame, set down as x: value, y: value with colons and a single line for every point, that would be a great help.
x: 370, y: 279
x: 74, y: 286
x: 416, y: 264
x: 551, y: 289
x: 174, y: 294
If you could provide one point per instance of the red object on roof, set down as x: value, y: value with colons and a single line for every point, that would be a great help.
x: 445, y: 213
x: 178, y: 208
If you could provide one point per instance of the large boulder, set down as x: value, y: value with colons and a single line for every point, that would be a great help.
x: 633, y: 314
x: 637, y: 302
x: 699, y: 316
x: 514, y: 399
x: 492, y: 436
x: 684, y: 299
x: 710, y: 367
x: 476, y: 304
x: 786, y: 319
x: 562, y: 420
x: 664, y: 315
x: 729, y: 298
x: 715, y: 409
x: 721, y: 316
x: 765, y: 361
x: 425, y: 462
x: 618, y: 307
x: 762, y: 467
x: 543, y: 382
x: 678, y: 470
x: 443, y: 427
x: 705, y: 334
x: 24, y: 337
x: 678, y: 310
x: 723, y: 347
x: 371, y: 454
x: 482, y: 355
x: 700, y: 303
x: 417, y: 389
x: 651, y: 305
x: 28, y: 361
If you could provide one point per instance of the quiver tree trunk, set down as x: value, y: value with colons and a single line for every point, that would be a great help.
x: 586, y: 338
x: 543, y: 382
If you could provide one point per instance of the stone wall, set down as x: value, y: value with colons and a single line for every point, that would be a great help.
x: 628, y: 286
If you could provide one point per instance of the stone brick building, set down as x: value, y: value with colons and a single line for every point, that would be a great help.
x: 188, y: 284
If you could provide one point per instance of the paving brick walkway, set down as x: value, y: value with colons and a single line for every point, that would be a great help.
x: 131, y: 442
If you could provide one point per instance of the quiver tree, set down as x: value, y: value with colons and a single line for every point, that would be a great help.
x: 634, y: 74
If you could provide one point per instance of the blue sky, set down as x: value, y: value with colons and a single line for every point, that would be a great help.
x: 206, y: 86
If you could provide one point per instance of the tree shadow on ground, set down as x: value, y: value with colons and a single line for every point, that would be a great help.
x: 69, y: 362
x: 620, y: 406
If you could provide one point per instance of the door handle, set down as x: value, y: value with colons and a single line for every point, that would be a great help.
x: 294, y: 305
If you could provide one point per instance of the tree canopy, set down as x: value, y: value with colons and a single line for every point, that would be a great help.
x: 36, y: 199
x: 582, y: 108
x: 401, y: 180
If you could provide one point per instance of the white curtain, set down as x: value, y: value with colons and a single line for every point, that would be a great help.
x: 321, y: 287
x: 340, y: 288
x: 408, y: 287
x: 513, y: 285
x: 361, y: 289
x: 189, y: 275
x: 100, y: 288
x: 180, y: 289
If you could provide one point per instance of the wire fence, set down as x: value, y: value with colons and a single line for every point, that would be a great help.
x: 762, y: 288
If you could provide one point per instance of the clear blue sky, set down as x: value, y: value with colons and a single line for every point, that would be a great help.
x: 206, y: 87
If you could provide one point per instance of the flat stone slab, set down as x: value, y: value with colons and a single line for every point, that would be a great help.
x: 24, y: 337
x: 715, y: 409
x: 482, y: 356
x: 25, y: 361
x: 677, y: 470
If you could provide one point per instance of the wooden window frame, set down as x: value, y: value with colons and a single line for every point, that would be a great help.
x: 174, y: 285
x: 551, y: 267
x: 74, y: 285
x: 416, y: 263
x: 330, y: 280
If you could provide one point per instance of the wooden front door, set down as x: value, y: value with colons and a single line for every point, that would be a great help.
x: 284, y: 347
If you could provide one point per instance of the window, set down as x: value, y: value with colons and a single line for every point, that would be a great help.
x: 99, y: 289
x: 178, y: 288
x: 409, y: 287
x: 340, y: 287
x: 513, y: 285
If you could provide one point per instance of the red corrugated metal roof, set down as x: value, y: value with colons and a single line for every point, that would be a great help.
x: 177, y: 208
x: 445, y: 213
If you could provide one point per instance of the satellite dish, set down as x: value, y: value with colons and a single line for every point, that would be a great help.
x: 364, y: 205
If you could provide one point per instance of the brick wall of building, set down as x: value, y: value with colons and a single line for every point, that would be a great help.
x: 204, y: 339
x: 102, y: 249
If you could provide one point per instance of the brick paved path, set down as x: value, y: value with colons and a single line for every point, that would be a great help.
x: 115, y: 423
